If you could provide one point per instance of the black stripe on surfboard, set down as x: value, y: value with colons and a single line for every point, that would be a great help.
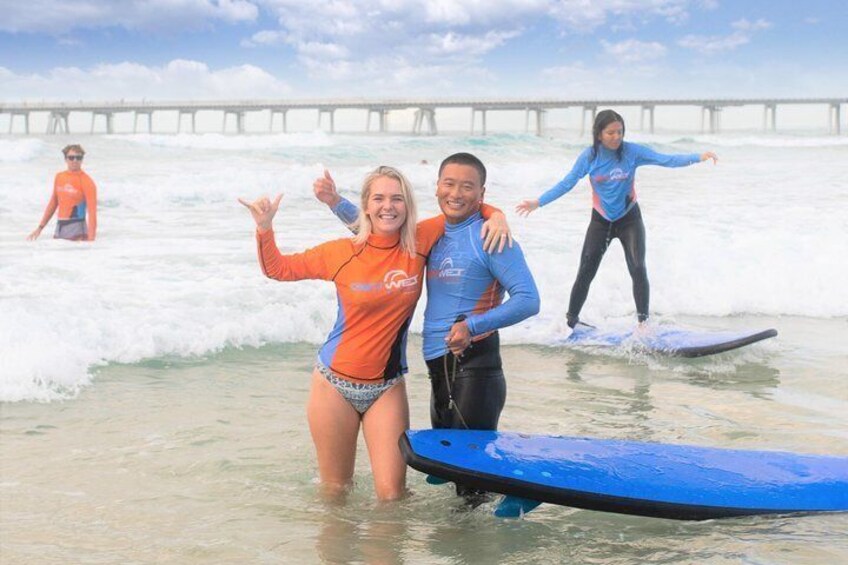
x: 575, y: 498
x: 702, y: 350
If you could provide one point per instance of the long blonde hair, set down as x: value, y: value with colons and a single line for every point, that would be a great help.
x: 363, y: 226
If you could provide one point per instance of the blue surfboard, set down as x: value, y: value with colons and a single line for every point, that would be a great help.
x: 669, y: 340
x: 682, y: 482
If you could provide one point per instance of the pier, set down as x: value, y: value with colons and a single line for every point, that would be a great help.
x: 376, y: 112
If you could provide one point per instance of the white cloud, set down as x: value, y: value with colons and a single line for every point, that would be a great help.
x: 347, y: 40
x: 392, y: 43
x: 440, y: 80
x: 385, y: 47
x: 363, y: 43
x: 332, y: 18
x: 630, y: 67
x: 62, y: 17
x: 634, y: 51
x: 458, y: 13
x: 765, y: 79
x: 236, y: 10
x: 745, y: 25
x: 396, y: 75
x: 617, y: 79
x: 331, y: 51
x: 367, y: 44
x: 712, y: 44
x: 586, y: 15
x: 566, y: 72
x: 266, y: 38
x: 723, y: 79
x: 179, y: 79
x: 581, y: 81
x: 376, y: 22
x: 453, y: 44
x: 179, y: 66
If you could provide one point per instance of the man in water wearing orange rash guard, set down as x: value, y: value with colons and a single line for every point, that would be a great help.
x: 75, y: 196
x: 358, y: 377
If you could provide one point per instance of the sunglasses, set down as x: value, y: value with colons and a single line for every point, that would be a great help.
x: 74, y: 157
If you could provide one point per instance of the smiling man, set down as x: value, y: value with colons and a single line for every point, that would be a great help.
x: 75, y: 197
x: 465, y: 306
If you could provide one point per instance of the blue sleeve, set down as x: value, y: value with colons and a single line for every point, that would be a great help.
x: 511, y: 271
x: 578, y: 171
x: 647, y: 156
x: 346, y: 211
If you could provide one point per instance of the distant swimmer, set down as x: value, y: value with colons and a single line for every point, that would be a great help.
x: 611, y: 166
x: 75, y: 197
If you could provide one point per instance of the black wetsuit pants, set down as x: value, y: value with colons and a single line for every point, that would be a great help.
x: 630, y: 230
x: 468, y: 392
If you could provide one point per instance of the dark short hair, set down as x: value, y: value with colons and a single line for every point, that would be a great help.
x: 74, y: 147
x: 465, y: 159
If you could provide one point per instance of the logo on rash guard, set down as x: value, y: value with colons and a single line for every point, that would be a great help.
x: 69, y: 188
x: 393, y: 280
x: 398, y: 279
x: 447, y: 270
x: 618, y: 174
x: 614, y: 175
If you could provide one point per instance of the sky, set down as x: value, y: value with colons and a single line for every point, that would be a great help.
x: 308, y: 49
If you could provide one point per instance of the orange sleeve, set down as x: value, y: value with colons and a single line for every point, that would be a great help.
x: 89, y: 189
x: 428, y: 232
x: 319, y: 262
x: 52, y: 204
x: 487, y: 210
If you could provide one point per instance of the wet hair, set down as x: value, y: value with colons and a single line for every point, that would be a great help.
x: 68, y: 148
x: 602, y: 120
x: 465, y: 159
x: 363, y: 227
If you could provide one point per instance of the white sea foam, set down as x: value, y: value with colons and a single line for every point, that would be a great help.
x: 742, y: 140
x: 19, y: 150
x: 231, y: 142
x: 174, y: 270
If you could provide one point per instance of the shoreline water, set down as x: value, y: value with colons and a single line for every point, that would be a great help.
x: 174, y: 269
x: 155, y: 382
x: 209, y: 459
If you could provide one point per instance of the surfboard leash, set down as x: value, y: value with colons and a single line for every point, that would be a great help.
x: 448, y: 382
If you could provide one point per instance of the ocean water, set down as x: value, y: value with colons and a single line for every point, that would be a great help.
x: 156, y: 381
x: 174, y: 271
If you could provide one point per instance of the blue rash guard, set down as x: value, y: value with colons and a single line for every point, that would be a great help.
x: 613, y: 181
x: 463, y: 279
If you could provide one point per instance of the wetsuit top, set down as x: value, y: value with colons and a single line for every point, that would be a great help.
x: 613, y: 181
x: 464, y: 279
x: 377, y: 285
x: 74, y: 193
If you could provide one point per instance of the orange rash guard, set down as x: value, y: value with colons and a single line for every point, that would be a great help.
x: 74, y: 194
x: 377, y: 284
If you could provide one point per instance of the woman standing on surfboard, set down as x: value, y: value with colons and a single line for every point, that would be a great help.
x: 611, y: 166
x: 358, y: 379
